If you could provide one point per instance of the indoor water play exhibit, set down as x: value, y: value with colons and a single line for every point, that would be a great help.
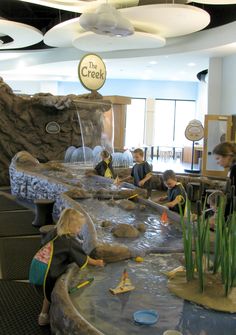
x: 169, y: 263
x: 163, y: 271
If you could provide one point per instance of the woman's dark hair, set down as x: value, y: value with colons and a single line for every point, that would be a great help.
x: 226, y: 149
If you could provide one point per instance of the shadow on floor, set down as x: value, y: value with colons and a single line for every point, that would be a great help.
x: 20, y: 303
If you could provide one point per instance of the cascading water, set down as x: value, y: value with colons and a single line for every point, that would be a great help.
x: 81, y: 131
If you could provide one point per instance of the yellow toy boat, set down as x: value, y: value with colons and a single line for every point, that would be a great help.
x: 125, y: 284
x: 171, y: 274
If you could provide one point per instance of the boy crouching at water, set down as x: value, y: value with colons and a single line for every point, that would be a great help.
x: 176, y: 194
x: 141, y: 172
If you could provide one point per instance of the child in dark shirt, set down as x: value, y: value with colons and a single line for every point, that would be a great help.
x: 176, y: 194
x: 141, y: 172
x: 104, y: 168
x: 66, y: 249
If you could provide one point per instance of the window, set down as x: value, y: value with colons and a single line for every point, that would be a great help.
x: 184, y: 112
x: 135, y: 123
x: 164, y: 122
x: 171, y: 119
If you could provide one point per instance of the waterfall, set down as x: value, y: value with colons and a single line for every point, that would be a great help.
x: 81, y: 131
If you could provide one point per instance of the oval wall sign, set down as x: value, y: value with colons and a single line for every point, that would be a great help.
x: 53, y: 128
x: 92, y: 72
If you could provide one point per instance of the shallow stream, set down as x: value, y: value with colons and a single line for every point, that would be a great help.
x: 158, y: 236
x: 113, y: 314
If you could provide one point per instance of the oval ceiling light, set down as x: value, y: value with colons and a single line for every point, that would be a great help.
x: 101, y: 43
x: 169, y: 20
x: 81, y: 6
x: 63, y: 33
x: 22, y: 35
x: 215, y: 2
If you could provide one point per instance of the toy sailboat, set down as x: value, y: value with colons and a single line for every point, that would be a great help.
x: 164, y: 217
x: 125, y: 284
x: 172, y: 273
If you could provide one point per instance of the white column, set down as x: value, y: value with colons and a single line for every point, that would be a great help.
x: 149, y: 122
x: 202, y: 101
x: 215, y: 86
x: 228, y: 101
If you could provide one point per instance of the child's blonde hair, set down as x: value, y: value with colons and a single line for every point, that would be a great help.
x: 63, y: 224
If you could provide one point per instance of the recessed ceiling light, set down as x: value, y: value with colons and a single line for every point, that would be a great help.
x: 232, y: 45
x: 146, y: 77
x: 153, y: 62
x: 4, y: 56
x: 191, y: 64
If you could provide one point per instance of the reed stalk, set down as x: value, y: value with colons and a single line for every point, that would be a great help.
x: 202, y: 245
x: 219, y: 224
x: 233, y: 225
x: 187, y: 241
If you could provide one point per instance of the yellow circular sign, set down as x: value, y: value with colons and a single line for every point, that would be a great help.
x: 92, y: 72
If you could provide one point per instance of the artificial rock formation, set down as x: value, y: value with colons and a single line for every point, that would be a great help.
x: 126, y: 204
x: 111, y: 252
x: 23, y: 121
x: 125, y: 230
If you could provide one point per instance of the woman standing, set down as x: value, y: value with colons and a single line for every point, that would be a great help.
x: 225, y: 154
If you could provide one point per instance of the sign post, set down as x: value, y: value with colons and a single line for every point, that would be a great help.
x: 194, y: 132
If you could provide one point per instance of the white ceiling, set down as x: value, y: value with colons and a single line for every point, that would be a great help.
x: 181, y: 59
x: 174, y: 67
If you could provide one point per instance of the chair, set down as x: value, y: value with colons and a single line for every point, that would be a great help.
x: 178, y: 153
x: 166, y: 153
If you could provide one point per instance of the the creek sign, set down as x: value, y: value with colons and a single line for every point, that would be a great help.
x: 92, y: 72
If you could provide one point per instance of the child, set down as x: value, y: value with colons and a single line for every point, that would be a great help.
x: 141, y: 172
x: 104, y: 168
x: 67, y: 249
x: 211, y: 212
x: 175, y: 194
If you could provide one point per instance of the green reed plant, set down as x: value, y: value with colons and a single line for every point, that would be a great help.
x: 188, y: 234
x: 196, y: 236
x: 202, y: 245
x: 233, y: 234
x: 228, y: 251
x: 219, y: 227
